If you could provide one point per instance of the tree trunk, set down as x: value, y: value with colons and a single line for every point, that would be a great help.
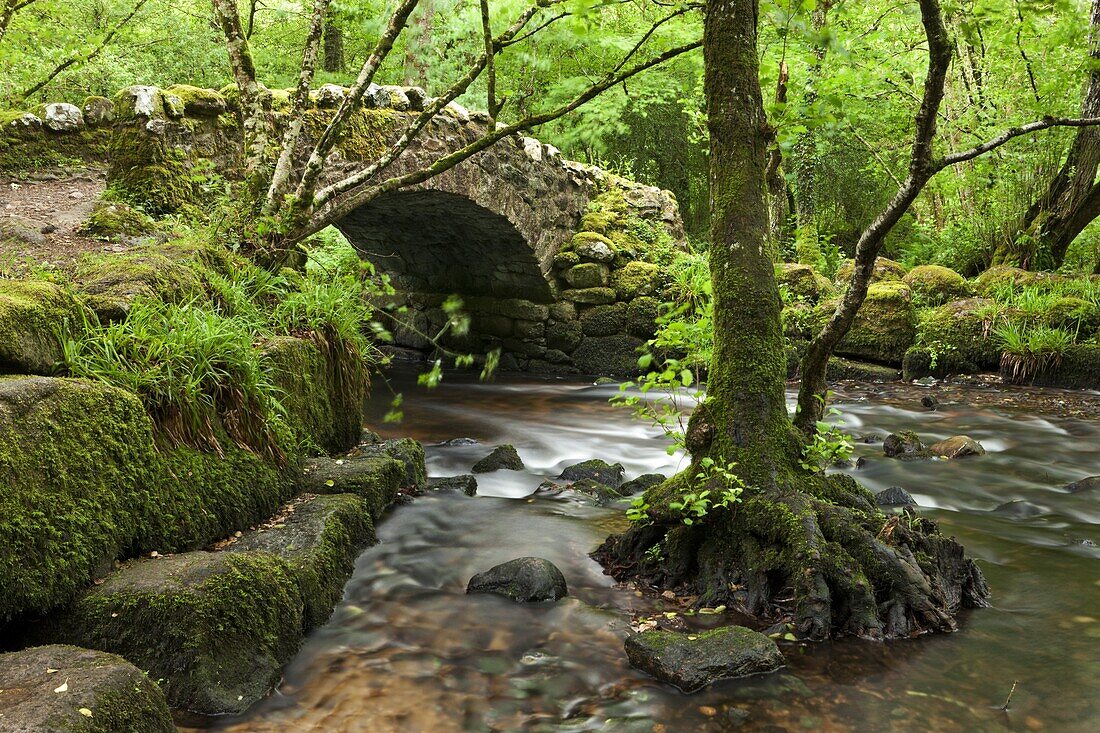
x: 796, y: 545
x: 334, y: 46
x: 1072, y: 201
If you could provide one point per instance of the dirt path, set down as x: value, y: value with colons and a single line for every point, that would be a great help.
x: 38, y: 222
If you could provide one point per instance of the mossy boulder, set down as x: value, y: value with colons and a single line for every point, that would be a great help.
x: 1001, y: 275
x: 375, y: 478
x: 693, y: 661
x: 637, y: 278
x: 197, y: 101
x: 98, y: 111
x: 114, y: 220
x: 804, y: 282
x: 216, y: 627
x: 884, y: 327
x: 35, y: 317
x: 604, y: 320
x: 935, y: 285
x: 1079, y: 368
x: 563, y: 335
x: 82, y: 482
x: 319, y: 538
x: 885, y: 270
x: 839, y: 368
x: 323, y: 409
x: 406, y: 450
x: 590, y: 296
x: 593, y: 247
x: 586, y: 275
x: 100, y: 693
x: 608, y: 356
x: 524, y: 580
x: 1073, y: 314
x: 608, y: 474
x: 503, y: 457
x: 641, y: 316
x: 955, y: 338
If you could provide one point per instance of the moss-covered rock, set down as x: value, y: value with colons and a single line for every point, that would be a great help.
x: 593, y: 247
x: 609, y: 356
x: 82, y: 483
x: 503, y: 457
x: 26, y: 146
x: 803, y: 282
x: 406, y: 450
x: 376, y: 478
x: 590, y: 296
x: 216, y: 627
x: 98, y: 111
x: 861, y: 371
x: 586, y: 275
x: 693, y: 661
x: 35, y: 318
x: 322, y: 409
x: 637, y: 278
x: 1079, y: 368
x: 885, y: 270
x: 1075, y: 315
x: 103, y: 693
x: 197, y: 101
x: 148, y: 168
x: 641, y: 316
x: 935, y: 285
x: 884, y: 327
x: 114, y: 220
x: 955, y: 338
x: 1001, y: 275
x: 319, y: 539
x: 563, y: 335
x: 604, y: 320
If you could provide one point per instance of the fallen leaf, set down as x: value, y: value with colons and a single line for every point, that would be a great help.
x: 85, y: 712
x: 64, y: 687
x: 330, y: 483
x: 51, y: 671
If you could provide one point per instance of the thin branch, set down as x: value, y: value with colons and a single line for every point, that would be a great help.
x: 491, y: 86
x: 283, y: 167
x: 1009, y: 134
x: 398, y: 20
x: 653, y: 29
x: 78, y: 58
x: 876, y: 156
x: 413, y: 130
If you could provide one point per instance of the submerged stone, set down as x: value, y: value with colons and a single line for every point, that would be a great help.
x: 65, y: 688
x: 609, y: 474
x: 959, y: 446
x: 1019, y: 509
x: 525, y: 580
x: 503, y: 457
x: 601, y: 493
x: 465, y: 483
x: 1085, y: 484
x: 693, y: 661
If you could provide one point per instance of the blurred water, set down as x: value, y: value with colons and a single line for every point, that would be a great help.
x: 408, y: 651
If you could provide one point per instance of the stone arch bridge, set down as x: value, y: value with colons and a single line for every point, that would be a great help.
x: 507, y: 230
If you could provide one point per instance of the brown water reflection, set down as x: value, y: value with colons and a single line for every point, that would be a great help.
x: 408, y: 651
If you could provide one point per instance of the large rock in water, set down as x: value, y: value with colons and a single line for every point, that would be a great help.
x: 1086, y: 484
x: 693, y: 661
x: 905, y: 445
x: 525, y: 579
x: 65, y: 688
x: 608, y: 474
x: 503, y: 457
x: 959, y: 446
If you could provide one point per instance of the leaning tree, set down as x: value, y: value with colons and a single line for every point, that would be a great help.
x: 771, y: 535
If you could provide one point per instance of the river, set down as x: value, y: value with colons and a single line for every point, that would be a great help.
x: 408, y: 651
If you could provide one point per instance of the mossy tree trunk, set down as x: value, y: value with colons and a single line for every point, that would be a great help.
x: 797, y: 545
x: 1072, y: 201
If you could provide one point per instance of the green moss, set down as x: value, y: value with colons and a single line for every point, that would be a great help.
x: 957, y: 338
x: 376, y: 478
x: 320, y: 415
x: 215, y: 627
x: 590, y: 296
x: 884, y: 327
x: 637, y: 278
x: 198, y: 101
x: 1001, y: 275
x: 803, y: 282
x: 585, y: 238
x: 934, y: 285
x: 1073, y: 314
x: 113, y: 220
x: 24, y: 149
x: 365, y: 136
x: 34, y: 318
x: 1079, y: 368
x: 885, y: 270
x: 147, y: 171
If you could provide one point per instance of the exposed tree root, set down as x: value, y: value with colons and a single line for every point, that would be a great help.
x: 822, y: 555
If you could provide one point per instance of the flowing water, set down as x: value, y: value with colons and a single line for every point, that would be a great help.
x: 408, y: 651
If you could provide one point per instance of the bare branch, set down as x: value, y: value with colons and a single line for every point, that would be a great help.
x: 491, y: 90
x: 653, y: 29
x: 79, y: 58
x: 283, y: 167
x: 1013, y: 132
x: 328, y: 138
